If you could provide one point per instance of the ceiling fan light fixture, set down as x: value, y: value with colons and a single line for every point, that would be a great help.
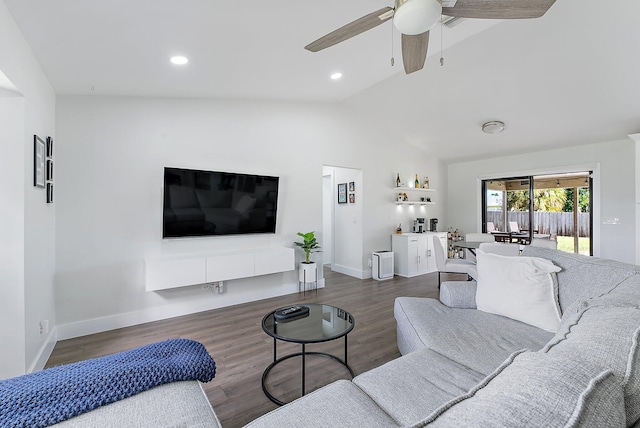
x: 493, y: 127
x: 414, y: 17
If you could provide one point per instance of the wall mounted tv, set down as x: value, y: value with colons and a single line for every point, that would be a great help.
x: 206, y: 203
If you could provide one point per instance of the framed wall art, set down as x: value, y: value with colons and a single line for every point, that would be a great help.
x: 49, y: 193
x: 49, y: 147
x: 342, y: 193
x: 352, y: 198
x: 38, y: 161
x: 49, y: 170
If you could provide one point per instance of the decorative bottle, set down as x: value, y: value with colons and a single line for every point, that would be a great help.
x: 417, y: 182
x: 398, y: 180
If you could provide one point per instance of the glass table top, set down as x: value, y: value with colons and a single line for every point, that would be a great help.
x: 322, y: 323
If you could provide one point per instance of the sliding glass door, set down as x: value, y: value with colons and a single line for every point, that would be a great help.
x: 555, y: 207
x: 507, y: 206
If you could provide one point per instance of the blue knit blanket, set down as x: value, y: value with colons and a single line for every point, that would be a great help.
x: 53, y: 395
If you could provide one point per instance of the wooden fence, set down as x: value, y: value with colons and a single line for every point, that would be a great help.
x: 545, y: 222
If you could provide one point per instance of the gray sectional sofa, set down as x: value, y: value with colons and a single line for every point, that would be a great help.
x: 463, y: 367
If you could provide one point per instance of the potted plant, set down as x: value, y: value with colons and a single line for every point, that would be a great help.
x: 309, y: 245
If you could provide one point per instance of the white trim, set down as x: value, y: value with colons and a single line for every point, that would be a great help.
x: 346, y: 270
x: 44, y: 352
x: 127, y: 319
x: 543, y: 171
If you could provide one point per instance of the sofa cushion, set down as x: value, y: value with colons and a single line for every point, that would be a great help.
x: 329, y: 406
x: 537, y: 390
x: 409, y: 388
x: 173, y: 404
x: 582, y: 277
x: 624, y: 294
x: 604, y: 336
x: 521, y: 288
x: 476, y: 339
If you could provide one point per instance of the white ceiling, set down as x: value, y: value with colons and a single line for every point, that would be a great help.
x: 568, y: 78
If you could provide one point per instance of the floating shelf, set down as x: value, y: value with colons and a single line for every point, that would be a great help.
x: 420, y: 189
x: 413, y: 203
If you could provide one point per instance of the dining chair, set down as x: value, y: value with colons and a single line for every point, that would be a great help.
x: 513, y: 226
x: 479, y: 237
x: 445, y: 265
x: 491, y: 227
x: 500, y: 248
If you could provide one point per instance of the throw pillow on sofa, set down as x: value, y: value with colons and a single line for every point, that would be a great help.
x: 520, y: 288
x: 532, y: 389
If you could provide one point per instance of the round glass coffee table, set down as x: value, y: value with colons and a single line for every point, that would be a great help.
x: 321, y: 324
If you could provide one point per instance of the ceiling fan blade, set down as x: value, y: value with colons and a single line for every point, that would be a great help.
x: 498, y: 9
x: 414, y: 51
x: 352, y: 29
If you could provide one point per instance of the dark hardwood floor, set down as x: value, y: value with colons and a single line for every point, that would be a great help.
x: 234, y: 338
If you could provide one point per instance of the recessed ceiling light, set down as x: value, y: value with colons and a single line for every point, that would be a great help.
x: 336, y: 76
x: 493, y: 127
x: 179, y: 60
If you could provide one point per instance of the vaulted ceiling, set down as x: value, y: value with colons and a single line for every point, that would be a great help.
x: 568, y: 78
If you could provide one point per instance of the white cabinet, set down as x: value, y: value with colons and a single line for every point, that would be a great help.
x: 162, y: 273
x: 413, y: 253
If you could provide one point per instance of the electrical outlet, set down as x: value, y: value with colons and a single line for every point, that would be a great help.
x: 44, y: 327
x: 369, y: 262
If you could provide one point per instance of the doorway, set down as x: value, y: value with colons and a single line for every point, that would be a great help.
x: 343, y: 235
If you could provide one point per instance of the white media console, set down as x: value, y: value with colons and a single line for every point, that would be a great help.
x: 162, y: 273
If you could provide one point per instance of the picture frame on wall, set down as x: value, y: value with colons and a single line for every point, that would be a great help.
x: 49, y: 147
x: 352, y: 186
x: 342, y: 193
x: 49, y: 193
x: 38, y: 161
x: 352, y: 198
x: 49, y: 170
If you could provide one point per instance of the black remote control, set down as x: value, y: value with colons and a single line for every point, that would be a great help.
x: 290, y: 312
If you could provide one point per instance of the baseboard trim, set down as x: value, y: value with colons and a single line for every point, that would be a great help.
x: 128, y: 319
x: 346, y: 270
x: 45, y: 352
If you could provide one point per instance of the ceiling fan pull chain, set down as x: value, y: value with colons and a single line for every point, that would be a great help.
x: 441, y: 37
x: 392, y: 59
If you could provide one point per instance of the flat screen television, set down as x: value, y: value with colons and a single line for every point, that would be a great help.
x: 206, y: 203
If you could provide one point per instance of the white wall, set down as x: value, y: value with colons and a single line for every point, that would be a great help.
x: 12, y: 358
x: 327, y: 216
x: 614, y: 190
x: 32, y: 262
x: 636, y: 142
x: 111, y: 154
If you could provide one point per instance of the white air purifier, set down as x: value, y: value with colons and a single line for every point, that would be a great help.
x: 382, y: 265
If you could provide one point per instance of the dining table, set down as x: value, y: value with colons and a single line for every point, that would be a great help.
x: 472, y: 246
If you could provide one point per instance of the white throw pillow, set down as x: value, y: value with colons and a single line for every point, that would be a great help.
x: 521, y: 288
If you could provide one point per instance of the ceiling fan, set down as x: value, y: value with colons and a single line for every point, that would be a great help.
x: 414, y: 19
